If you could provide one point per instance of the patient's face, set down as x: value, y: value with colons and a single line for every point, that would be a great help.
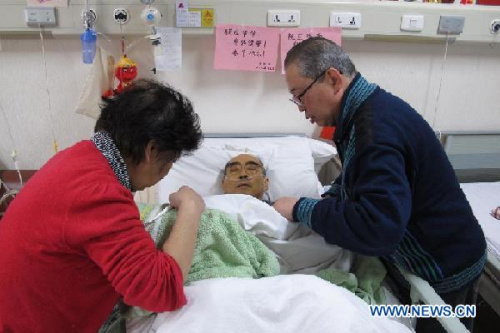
x: 244, y: 174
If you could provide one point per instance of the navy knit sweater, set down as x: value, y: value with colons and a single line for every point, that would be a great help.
x: 397, y: 196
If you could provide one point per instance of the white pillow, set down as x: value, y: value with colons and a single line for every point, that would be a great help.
x: 288, y: 160
x: 322, y: 152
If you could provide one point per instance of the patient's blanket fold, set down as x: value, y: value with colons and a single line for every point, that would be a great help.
x: 365, y: 279
x: 223, y: 247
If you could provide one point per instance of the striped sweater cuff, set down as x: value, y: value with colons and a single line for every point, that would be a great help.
x: 303, y: 209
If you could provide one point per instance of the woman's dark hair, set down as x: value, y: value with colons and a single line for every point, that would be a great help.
x: 150, y: 111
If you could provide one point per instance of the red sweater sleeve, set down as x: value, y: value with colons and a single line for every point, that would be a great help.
x: 109, y: 231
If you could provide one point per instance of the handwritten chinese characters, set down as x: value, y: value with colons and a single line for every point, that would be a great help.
x: 256, y: 48
x: 246, y: 48
x: 48, y: 3
x: 291, y: 37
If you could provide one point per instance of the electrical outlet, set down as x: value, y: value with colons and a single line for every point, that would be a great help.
x: 495, y: 26
x: 283, y: 18
x: 40, y: 17
x: 346, y: 20
x: 451, y: 24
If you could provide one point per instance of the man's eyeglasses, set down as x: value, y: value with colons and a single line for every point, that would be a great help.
x: 235, y: 170
x: 298, y: 99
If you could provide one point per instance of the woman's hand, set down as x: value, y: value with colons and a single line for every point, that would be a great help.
x: 182, y: 240
x: 186, y: 197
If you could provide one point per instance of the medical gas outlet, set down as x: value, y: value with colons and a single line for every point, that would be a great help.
x: 89, y: 17
x: 121, y: 15
x: 151, y: 16
x: 495, y: 26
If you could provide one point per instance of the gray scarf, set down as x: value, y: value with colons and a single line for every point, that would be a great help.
x: 108, y: 148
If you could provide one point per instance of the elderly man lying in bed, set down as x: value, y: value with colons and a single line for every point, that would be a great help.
x: 298, y: 249
x: 241, y: 235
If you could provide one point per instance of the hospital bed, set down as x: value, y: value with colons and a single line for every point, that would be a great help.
x: 475, y: 156
x: 483, y: 197
x: 292, y: 164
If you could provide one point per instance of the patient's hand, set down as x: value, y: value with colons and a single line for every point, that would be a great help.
x: 496, y: 213
x: 284, y: 206
x: 187, y: 198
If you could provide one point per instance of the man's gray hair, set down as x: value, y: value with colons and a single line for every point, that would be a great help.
x: 264, y: 170
x: 315, y: 55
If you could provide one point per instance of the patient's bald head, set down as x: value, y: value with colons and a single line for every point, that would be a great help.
x: 245, y: 174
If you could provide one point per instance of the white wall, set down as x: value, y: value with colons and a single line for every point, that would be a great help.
x: 233, y: 101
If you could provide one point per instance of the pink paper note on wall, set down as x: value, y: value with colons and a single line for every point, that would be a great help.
x: 47, y: 3
x: 246, y: 48
x: 291, y: 37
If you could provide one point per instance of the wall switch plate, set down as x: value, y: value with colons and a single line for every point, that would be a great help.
x: 451, y: 24
x: 412, y: 22
x: 40, y: 17
x: 346, y: 20
x: 283, y: 18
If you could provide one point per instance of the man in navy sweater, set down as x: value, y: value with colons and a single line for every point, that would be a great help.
x: 397, y: 196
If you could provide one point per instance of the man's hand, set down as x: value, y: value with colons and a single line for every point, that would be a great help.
x: 284, y: 206
x: 496, y: 213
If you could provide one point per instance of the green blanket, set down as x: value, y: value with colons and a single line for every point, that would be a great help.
x: 364, y: 280
x: 223, y: 247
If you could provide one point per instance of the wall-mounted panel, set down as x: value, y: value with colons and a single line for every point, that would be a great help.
x: 380, y: 20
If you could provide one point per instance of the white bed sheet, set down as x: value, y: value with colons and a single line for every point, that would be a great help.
x: 483, y: 197
x: 284, y: 303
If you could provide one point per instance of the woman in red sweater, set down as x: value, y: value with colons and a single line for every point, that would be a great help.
x: 72, y: 241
